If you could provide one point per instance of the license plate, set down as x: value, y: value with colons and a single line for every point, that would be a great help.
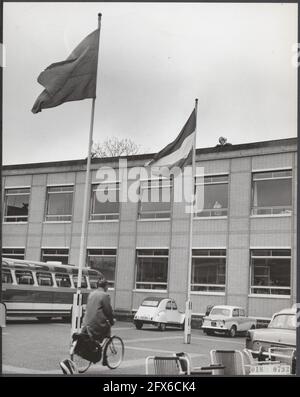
x: 270, y: 369
x: 213, y: 324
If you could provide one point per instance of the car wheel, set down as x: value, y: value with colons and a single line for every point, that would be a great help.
x: 138, y: 324
x: 162, y: 326
x: 232, y: 331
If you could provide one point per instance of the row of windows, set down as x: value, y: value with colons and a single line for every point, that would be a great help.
x: 271, y: 195
x: 45, y: 279
x: 270, y: 269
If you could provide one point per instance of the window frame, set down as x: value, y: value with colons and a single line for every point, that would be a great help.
x: 269, y: 287
x: 209, y: 212
x: 287, y: 210
x: 25, y: 271
x: 111, y: 285
x: 55, y: 255
x: 106, y: 217
x: 69, y: 216
x: 13, y: 255
x: 10, y: 188
x: 211, y: 253
x: 150, y: 283
x: 142, y: 215
x: 65, y: 275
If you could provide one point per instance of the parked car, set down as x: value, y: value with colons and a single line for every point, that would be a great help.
x: 228, y: 320
x: 161, y: 312
x: 281, y: 332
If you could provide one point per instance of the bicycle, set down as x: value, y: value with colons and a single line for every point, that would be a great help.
x: 112, y: 353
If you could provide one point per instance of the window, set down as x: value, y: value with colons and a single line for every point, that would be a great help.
x: 6, y: 276
x: 215, y: 195
x: 16, y: 204
x: 271, y: 271
x: 208, y: 270
x: 168, y: 305
x: 155, y: 198
x: 235, y: 312
x: 44, y: 279
x: 55, y: 255
x: 24, y: 277
x: 105, y: 202
x: 152, y: 269
x: 83, y: 281
x: 285, y: 321
x: 103, y: 260
x: 63, y: 280
x: 242, y: 312
x: 13, y: 253
x: 59, y: 203
x: 272, y: 192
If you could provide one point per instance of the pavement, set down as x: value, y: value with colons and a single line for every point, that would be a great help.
x: 34, y: 348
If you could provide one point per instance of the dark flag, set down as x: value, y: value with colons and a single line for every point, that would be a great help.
x: 73, y: 79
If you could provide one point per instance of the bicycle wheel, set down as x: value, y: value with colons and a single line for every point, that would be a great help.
x: 81, y: 364
x: 113, y: 352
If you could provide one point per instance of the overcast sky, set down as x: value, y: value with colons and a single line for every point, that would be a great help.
x: 154, y: 60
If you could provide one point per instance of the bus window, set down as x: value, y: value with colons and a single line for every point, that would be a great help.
x: 24, y: 277
x: 44, y: 279
x: 6, y: 277
x: 83, y: 281
x: 93, y: 283
x: 63, y: 280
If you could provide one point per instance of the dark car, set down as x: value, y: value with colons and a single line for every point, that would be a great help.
x: 281, y: 332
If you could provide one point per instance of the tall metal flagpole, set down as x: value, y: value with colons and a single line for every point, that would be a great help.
x: 77, y: 299
x: 188, y: 307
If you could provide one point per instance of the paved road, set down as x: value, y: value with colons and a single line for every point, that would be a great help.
x: 30, y: 347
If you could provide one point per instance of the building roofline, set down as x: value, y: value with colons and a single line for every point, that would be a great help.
x: 146, y: 156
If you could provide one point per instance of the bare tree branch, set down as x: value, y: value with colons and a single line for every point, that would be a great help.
x: 115, y: 147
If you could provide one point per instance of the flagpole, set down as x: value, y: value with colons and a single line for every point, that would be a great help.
x: 188, y: 307
x: 77, y: 299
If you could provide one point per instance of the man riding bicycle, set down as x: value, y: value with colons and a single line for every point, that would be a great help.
x: 97, y: 320
x: 98, y: 317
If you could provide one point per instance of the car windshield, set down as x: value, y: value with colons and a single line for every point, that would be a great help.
x: 287, y: 321
x: 219, y: 311
x: 150, y: 303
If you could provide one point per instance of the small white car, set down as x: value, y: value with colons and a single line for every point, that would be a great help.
x: 161, y: 312
x: 229, y: 320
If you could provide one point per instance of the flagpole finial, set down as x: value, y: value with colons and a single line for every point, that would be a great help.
x: 99, y: 19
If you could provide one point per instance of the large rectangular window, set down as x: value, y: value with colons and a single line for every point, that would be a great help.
x: 215, y: 195
x: 270, y: 271
x: 59, y: 203
x: 105, y: 201
x: 272, y: 192
x: 105, y: 261
x: 208, y: 270
x: 55, y: 255
x: 16, y: 204
x: 152, y: 269
x: 13, y: 253
x: 155, y: 198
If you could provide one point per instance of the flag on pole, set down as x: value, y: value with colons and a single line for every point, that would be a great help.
x: 178, y: 153
x: 73, y: 79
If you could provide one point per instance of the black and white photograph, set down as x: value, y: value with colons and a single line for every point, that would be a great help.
x: 149, y: 191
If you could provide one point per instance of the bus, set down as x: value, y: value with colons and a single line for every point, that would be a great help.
x: 43, y: 290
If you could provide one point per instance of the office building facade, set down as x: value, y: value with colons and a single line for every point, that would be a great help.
x: 244, y: 235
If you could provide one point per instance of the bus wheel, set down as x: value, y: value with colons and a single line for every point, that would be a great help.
x: 44, y: 319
